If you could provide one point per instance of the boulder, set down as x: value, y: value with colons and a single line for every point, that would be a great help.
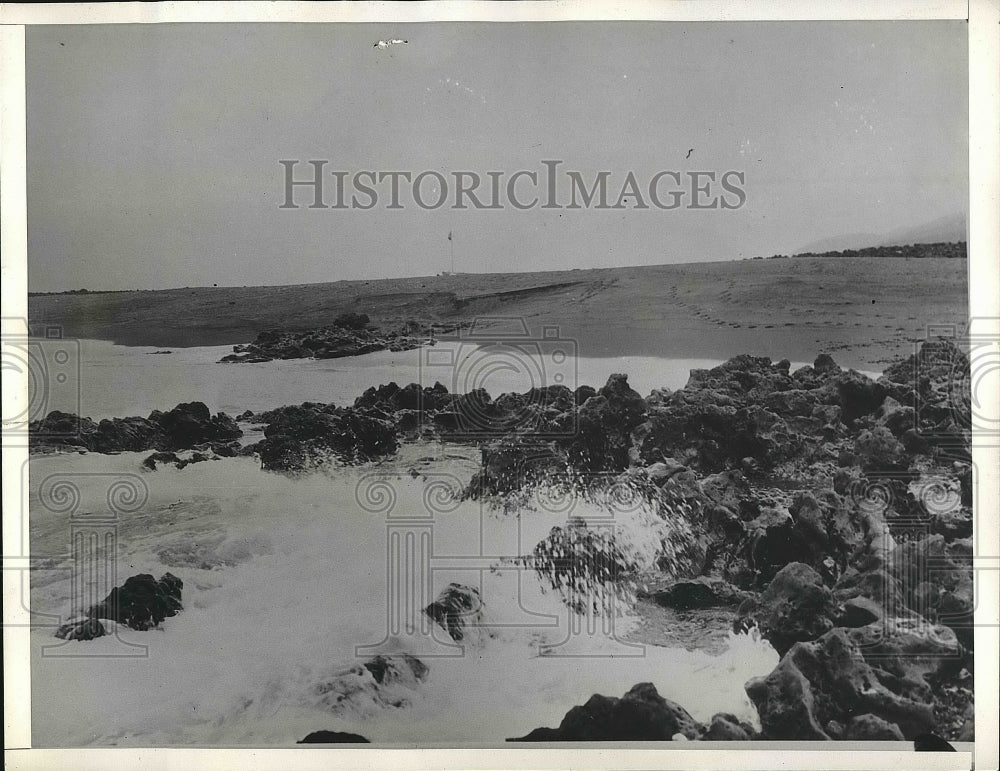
x: 127, y: 435
x: 909, y: 653
x: 795, y: 607
x: 727, y: 728
x: 640, y: 715
x: 870, y: 728
x: 936, y: 578
x: 701, y: 592
x: 401, y: 668
x: 299, y: 437
x: 457, y: 610
x: 141, y: 602
x: 829, y: 680
x: 878, y: 450
x: 601, y: 437
x: 191, y: 423
x: 333, y: 737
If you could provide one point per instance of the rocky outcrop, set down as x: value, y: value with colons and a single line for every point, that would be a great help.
x: 458, y: 610
x: 640, y: 715
x: 301, y: 437
x: 141, y: 602
x: 700, y: 592
x: 186, y: 426
x: 350, y: 334
x: 826, y: 682
x: 400, y: 668
x: 795, y: 607
x: 837, y: 507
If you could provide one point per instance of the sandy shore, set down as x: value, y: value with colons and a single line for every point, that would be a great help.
x: 863, y: 311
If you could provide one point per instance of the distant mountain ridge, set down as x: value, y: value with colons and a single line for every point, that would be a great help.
x: 948, y: 229
x: 944, y: 249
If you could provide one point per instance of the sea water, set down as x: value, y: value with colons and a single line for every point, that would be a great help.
x: 288, y: 580
x: 106, y: 380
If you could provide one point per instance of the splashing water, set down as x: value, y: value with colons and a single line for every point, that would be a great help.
x: 284, y: 578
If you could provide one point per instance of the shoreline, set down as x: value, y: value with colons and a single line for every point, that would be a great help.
x: 863, y: 312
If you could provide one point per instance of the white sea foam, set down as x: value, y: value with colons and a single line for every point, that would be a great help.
x: 284, y: 577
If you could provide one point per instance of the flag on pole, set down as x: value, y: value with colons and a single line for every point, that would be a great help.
x: 449, y: 235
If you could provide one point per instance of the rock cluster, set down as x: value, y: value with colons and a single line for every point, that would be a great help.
x: 350, y: 334
x: 141, y: 603
x: 640, y: 715
x: 833, y: 509
x: 186, y: 426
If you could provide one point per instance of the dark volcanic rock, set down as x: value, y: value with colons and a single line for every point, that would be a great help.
x: 936, y: 577
x: 351, y: 334
x: 183, y: 427
x: 127, y: 435
x: 640, y: 715
x: 142, y: 602
x: 701, y: 592
x: 457, y: 609
x: 829, y: 680
x: 189, y: 424
x: 602, y: 436
x: 727, y: 728
x: 868, y: 727
x: 401, y: 668
x: 333, y: 737
x: 795, y: 607
x: 298, y: 437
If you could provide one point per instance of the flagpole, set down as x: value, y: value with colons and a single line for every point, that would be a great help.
x: 451, y: 241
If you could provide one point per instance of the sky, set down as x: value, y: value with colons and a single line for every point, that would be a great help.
x: 153, y: 150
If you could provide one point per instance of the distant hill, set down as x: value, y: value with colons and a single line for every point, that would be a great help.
x: 948, y: 229
x: 946, y: 250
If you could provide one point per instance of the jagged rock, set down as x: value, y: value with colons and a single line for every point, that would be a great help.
x: 640, y: 715
x: 127, y: 435
x: 795, y: 607
x: 859, y: 611
x: 351, y: 334
x: 457, y: 609
x: 937, y: 580
x: 878, y: 450
x: 333, y: 737
x: 189, y: 424
x: 828, y: 679
x: 868, y: 728
x: 772, y: 542
x: 401, y: 668
x: 141, y: 602
x: 603, y: 425
x: 298, y: 437
x: 727, y: 728
x: 908, y: 652
x: 183, y: 427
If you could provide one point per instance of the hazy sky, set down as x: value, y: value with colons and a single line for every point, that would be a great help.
x: 153, y: 150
